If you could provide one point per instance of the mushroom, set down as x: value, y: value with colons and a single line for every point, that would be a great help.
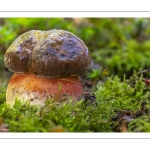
x: 46, y: 64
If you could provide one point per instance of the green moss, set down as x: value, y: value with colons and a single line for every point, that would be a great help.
x: 112, y: 97
x: 141, y: 124
x: 2, y: 93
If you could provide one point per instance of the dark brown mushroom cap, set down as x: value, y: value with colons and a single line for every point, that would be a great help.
x: 52, y: 53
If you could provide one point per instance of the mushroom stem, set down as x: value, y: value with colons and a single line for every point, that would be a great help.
x: 37, y: 90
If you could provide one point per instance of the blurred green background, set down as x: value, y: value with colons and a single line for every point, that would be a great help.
x: 118, y: 45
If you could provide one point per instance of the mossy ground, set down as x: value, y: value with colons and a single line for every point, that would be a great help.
x: 118, y: 104
x: 117, y: 46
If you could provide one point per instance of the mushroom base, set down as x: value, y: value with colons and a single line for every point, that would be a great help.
x: 37, y: 90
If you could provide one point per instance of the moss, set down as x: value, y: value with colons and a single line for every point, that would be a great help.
x: 141, y: 124
x: 113, y: 96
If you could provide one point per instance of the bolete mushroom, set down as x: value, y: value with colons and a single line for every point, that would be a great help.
x: 46, y: 64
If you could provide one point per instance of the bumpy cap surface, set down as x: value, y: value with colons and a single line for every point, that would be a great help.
x: 52, y: 53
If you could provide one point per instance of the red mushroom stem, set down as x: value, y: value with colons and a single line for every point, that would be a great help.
x: 37, y: 89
